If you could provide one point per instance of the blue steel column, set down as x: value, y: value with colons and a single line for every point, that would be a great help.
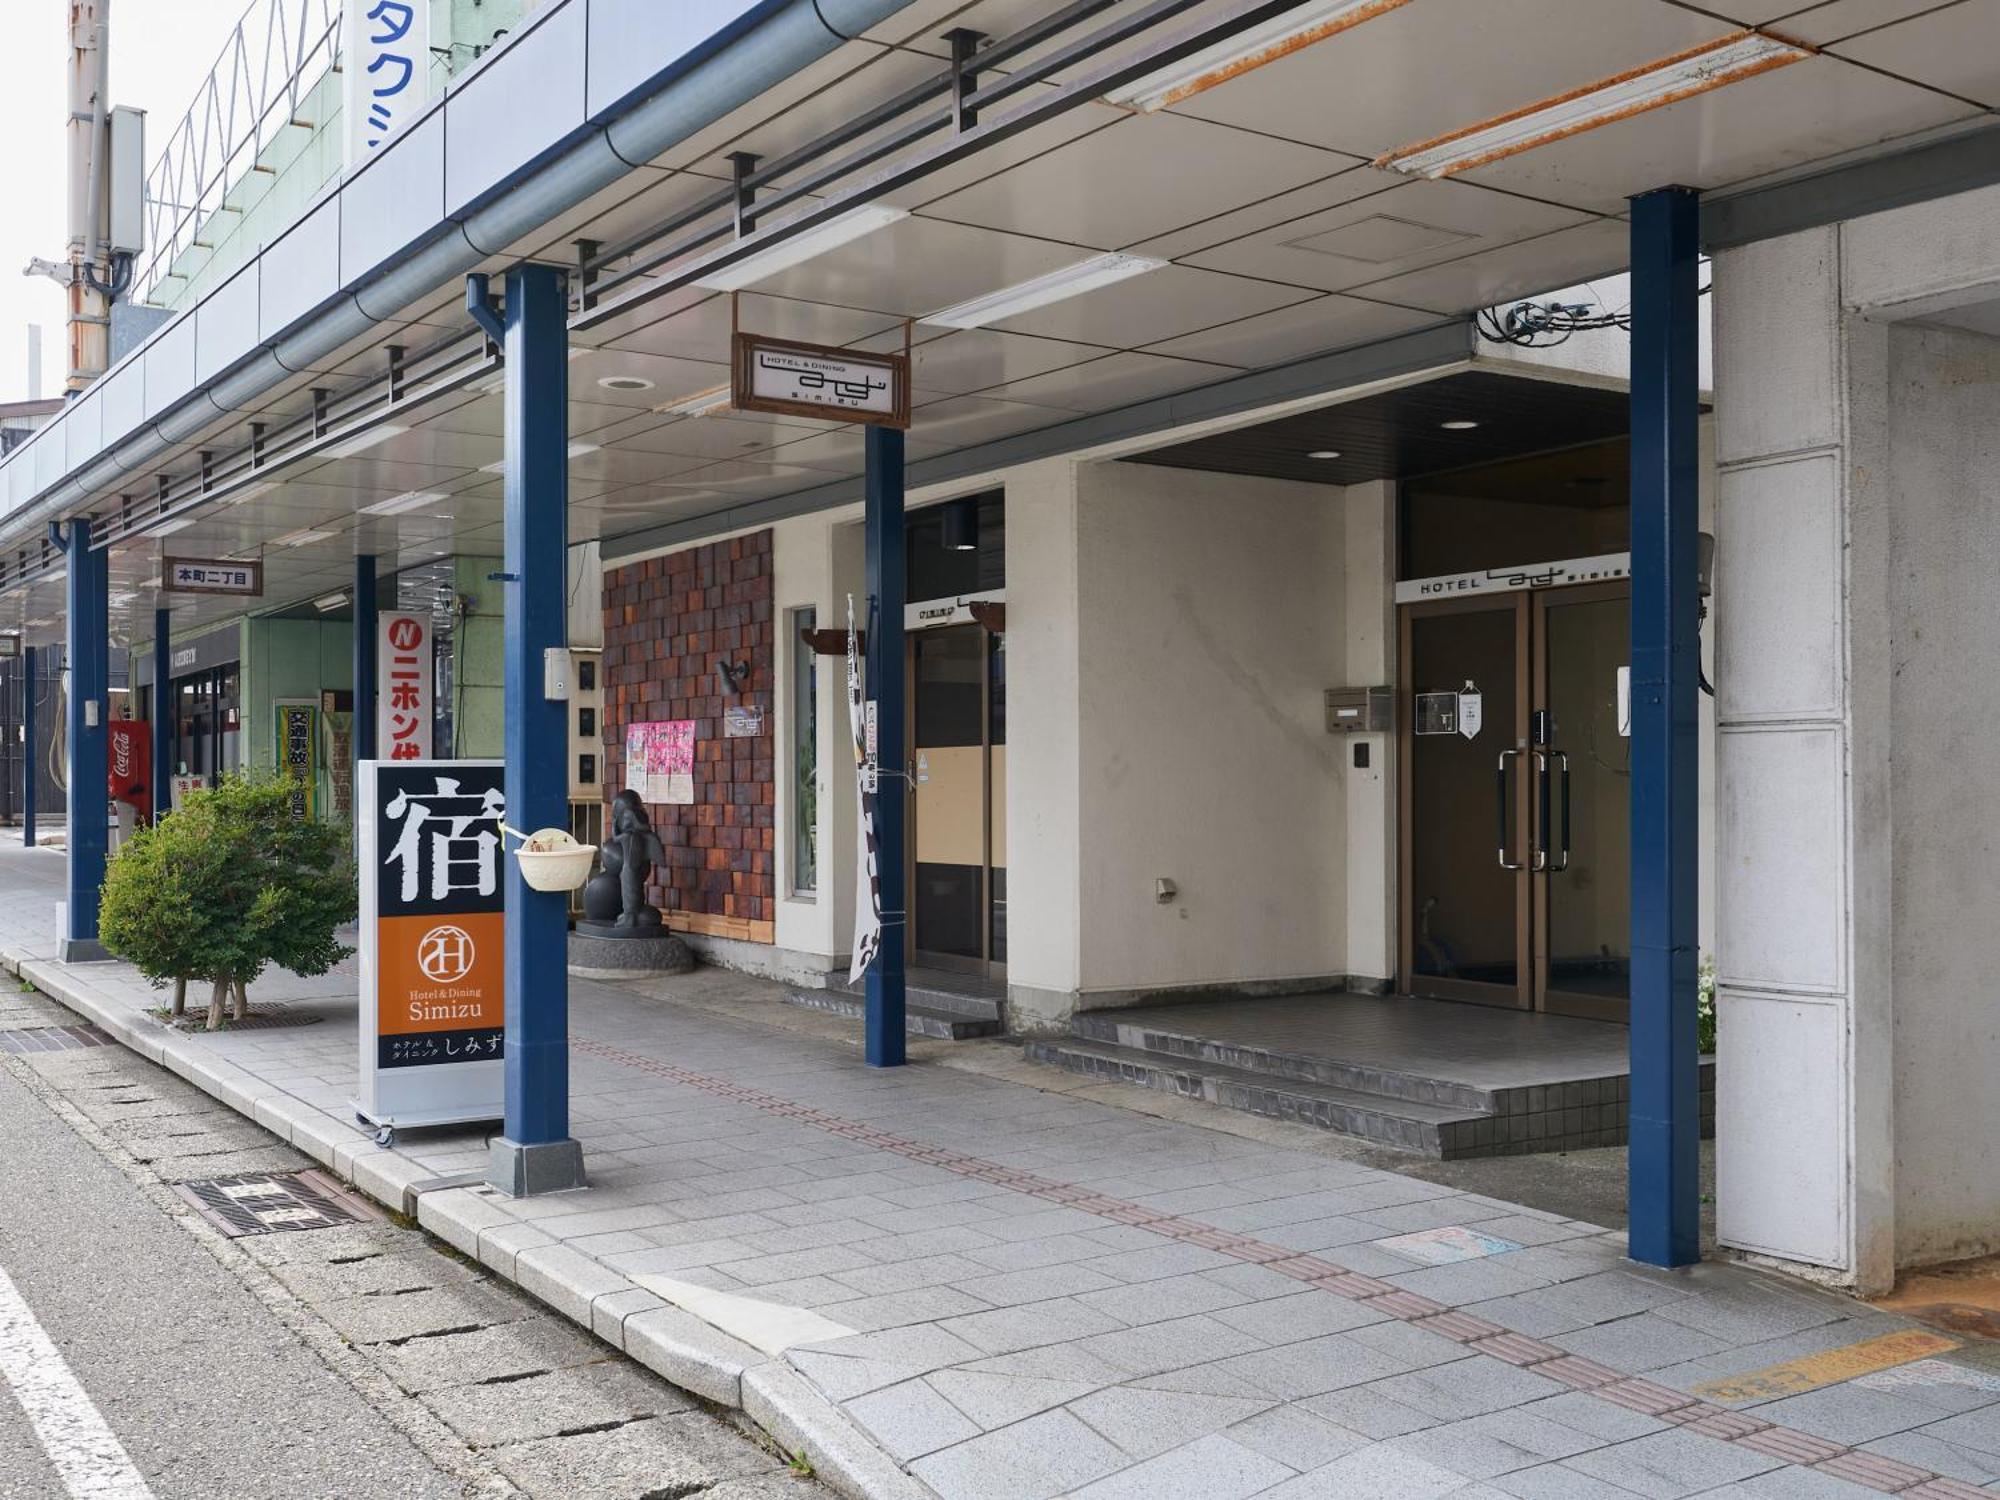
x: 887, y: 585
x: 89, y: 659
x: 536, y: 1154
x: 163, y: 714
x: 364, y: 662
x: 1664, y: 1154
x: 30, y: 660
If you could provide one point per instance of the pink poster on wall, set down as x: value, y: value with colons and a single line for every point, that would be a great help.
x: 659, y: 760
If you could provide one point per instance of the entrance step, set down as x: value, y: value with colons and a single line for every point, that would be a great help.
x: 1445, y: 1079
x: 919, y: 1017
x: 1187, y: 1044
x: 1429, y: 1129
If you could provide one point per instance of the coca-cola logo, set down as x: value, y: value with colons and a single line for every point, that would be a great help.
x: 121, y: 752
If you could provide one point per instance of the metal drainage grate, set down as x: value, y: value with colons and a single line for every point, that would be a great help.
x: 197, y: 1020
x: 52, y: 1039
x: 268, y: 1202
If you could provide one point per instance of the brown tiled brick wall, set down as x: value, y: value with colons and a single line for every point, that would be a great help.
x: 668, y: 622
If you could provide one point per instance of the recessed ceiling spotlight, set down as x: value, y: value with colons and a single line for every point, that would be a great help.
x: 1459, y: 424
x: 625, y: 382
x: 1324, y: 453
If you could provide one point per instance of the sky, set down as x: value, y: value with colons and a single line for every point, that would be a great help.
x: 160, y: 52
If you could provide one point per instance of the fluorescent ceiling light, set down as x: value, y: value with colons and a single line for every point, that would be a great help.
x: 1459, y: 424
x: 265, y: 487
x: 361, y: 442
x: 835, y: 232
x: 168, y: 528
x: 1278, y: 37
x: 395, y: 505
x: 700, y: 404
x: 1324, y: 453
x: 1729, y: 59
x: 1055, y: 286
x: 300, y: 538
x: 329, y: 601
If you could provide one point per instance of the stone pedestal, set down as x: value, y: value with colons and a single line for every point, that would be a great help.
x: 599, y: 950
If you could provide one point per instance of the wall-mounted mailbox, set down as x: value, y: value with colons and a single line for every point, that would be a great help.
x: 1360, y: 710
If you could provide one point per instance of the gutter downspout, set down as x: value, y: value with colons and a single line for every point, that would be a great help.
x: 792, y: 35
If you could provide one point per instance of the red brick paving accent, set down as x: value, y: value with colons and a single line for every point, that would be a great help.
x: 1636, y: 1394
x: 1791, y: 1446
x: 1519, y: 1349
x: 1714, y: 1421
x: 1461, y: 1327
x: 1889, y: 1475
x: 1632, y: 1392
x: 668, y: 623
x: 1575, y: 1370
x: 1947, y: 1489
x: 1407, y: 1305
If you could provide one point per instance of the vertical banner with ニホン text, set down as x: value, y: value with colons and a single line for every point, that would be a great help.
x: 405, y: 677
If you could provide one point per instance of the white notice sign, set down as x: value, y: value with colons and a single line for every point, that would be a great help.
x: 1471, y: 711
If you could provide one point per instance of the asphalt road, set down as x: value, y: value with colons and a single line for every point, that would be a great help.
x: 143, y: 1356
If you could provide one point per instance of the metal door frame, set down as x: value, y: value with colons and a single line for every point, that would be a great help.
x: 1519, y: 995
x: 984, y: 965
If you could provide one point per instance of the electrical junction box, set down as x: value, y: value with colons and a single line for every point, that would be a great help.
x: 1360, y: 710
x: 558, y: 671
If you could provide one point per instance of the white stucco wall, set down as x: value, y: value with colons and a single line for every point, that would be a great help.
x: 1211, y: 622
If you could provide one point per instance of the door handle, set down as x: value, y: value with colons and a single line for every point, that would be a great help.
x: 1541, y: 850
x: 1500, y: 809
x: 1563, y: 862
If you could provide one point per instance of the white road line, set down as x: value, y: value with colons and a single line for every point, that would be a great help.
x: 92, y: 1462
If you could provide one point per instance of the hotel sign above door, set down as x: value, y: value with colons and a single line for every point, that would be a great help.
x: 785, y: 378
x: 1548, y: 575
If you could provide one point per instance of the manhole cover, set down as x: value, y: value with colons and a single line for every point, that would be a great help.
x: 268, y: 1202
x: 52, y: 1039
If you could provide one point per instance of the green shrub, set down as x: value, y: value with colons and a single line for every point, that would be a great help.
x: 227, y: 884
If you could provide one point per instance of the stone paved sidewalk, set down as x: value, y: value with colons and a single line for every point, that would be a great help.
x: 1021, y: 1294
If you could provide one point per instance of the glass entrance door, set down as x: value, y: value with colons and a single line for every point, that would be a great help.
x: 1515, y: 812
x: 1583, y: 786
x: 958, y: 813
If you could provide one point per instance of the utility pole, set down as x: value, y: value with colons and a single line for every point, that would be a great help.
x: 89, y: 283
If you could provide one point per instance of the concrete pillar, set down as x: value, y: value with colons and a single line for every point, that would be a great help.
x: 1804, y: 860
x: 1664, y: 1163
x: 1369, y: 596
x: 887, y: 587
x: 536, y: 1153
x: 88, y: 656
x: 365, y: 630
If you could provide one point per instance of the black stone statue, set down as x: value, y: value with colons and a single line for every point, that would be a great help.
x: 616, y: 895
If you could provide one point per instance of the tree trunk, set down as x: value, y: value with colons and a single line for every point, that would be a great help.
x: 242, y: 1001
x: 181, y: 996
x: 218, y: 997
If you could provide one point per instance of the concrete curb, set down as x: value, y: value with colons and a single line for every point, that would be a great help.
x: 668, y: 1340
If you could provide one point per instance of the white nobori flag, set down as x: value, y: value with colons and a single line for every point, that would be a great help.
x: 868, y: 891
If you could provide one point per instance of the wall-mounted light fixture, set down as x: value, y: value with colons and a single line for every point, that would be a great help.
x: 734, y: 675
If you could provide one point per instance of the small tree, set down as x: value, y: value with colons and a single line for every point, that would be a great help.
x: 232, y: 881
